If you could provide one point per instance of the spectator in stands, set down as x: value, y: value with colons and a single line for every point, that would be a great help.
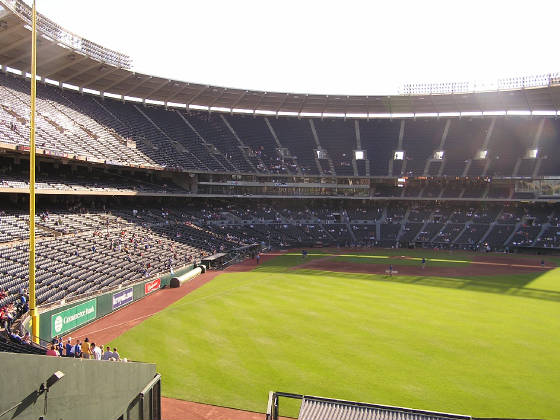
x: 116, y: 355
x: 4, y: 319
x: 16, y: 337
x: 52, y: 351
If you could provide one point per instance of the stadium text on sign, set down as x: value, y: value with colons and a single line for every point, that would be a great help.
x: 122, y: 298
x: 73, y: 317
x: 152, y: 285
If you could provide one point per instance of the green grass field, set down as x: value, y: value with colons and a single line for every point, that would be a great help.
x: 486, y: 346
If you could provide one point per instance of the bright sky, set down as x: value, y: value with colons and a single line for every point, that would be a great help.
x: 307, y: 46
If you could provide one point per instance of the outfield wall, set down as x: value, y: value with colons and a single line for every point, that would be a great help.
x: 66, y: 318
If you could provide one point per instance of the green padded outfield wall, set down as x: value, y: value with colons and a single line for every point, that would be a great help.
x: 90, y: 389
x: 64, y: 319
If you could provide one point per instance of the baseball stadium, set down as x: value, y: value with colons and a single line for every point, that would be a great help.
x: 175, y: 250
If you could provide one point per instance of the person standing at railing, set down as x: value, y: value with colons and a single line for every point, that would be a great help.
x: 96, y: 352
x: 69, y: 348
x: 78, y: 349
x: 86, y: 349
x: 52, y: 351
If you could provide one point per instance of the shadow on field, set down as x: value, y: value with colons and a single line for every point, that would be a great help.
x: 506, y: 285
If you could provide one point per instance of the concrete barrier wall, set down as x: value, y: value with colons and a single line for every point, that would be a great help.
x: 89, y: 389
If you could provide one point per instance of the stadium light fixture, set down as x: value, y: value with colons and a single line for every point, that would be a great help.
x: 199, y: 107
x: 242, y: 111
x: 154, y: 102
x: 359, y: 155
x: 481, y: 154
x: 176, y: 105
x: 532, y: 153
x: 309, y: 114
x: 398, y: 155
x: 519, y: 112
x: 333, y: 115
x: 28, y: 76
x: 544, y: 112
x: 438, y: 154
x: 14, y: 71
x: 130, y: 98
x: 287, y: 114
x: 69, y: 86
x: 494, y: 113
x: 264, y: 112
x: 54, y: 378
x: 427, y: 115
x: 220, y: 109
x: 352, y: 115
x: 92, y: 91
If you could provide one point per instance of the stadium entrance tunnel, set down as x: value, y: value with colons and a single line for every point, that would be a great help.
x: 319, y: 408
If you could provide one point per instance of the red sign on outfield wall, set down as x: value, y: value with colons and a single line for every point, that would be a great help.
x: 152, y: 285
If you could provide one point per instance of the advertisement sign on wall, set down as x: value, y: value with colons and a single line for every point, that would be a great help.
x: 73, y: 317
x: 152, y: 285
x: 124, y: 297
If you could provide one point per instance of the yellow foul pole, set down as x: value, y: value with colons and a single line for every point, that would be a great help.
x: 32, y: 306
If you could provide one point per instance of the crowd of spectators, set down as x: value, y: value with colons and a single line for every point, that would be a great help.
x: 14, y: 309
x: 85, y: 349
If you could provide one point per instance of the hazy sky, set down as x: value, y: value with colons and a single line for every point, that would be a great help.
x: 344, y: 47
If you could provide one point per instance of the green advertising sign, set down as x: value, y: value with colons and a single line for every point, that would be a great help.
x: 73, y: 317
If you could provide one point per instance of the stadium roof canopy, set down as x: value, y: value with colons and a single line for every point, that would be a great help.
x: 73, y: 61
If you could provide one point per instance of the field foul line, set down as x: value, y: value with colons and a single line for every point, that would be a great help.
x: 115, y: 325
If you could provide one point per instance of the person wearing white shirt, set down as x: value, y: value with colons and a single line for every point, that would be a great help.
x: 96, y: 352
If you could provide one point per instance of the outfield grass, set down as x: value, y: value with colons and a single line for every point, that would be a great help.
x: 488, y: 347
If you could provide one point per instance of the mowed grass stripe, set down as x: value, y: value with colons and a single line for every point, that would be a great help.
x: 367, y: 339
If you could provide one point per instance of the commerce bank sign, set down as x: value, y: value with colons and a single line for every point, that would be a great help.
x: 73, y: 317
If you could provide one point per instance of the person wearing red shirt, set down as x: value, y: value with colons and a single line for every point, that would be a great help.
x: 51, y: 351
